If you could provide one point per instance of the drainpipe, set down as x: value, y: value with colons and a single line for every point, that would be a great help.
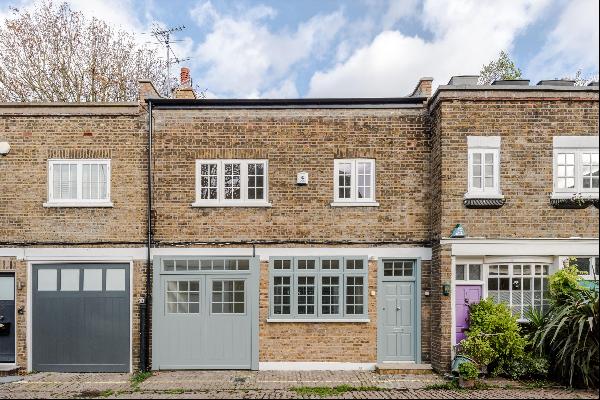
x: 144, y: 314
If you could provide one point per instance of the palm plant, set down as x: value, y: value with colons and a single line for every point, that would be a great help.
x: 569, y: 334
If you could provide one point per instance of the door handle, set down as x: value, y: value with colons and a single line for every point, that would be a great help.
x: 398, y: 308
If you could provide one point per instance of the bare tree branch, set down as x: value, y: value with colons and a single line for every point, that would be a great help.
x: 56, y: 54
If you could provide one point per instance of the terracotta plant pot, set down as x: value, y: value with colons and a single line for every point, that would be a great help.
x: 466, y: 384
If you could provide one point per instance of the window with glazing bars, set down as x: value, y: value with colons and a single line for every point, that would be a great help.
x: 231, y: 182
x: 520, y: 286
x: 318, y: 287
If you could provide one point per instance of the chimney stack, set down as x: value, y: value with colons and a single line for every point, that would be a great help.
x: 423, y: 88
x: 184, y: 91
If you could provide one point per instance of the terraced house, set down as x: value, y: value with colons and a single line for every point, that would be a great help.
x: 186, y: 233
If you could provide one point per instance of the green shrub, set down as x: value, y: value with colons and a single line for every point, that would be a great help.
x: 565, y: 282
x: 494, y: 337
x: 529, y: 366
x: 570, y: 335
x: 479, y: 349
x: 468, y: 371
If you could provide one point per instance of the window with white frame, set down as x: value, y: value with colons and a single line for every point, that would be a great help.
x: 231, y: 183
x: 468, y: 272
x: 78, y: 182
x: 354, y: 181
x: 520, y: 286
x: 484, y: 166
x: 588, y: 267
x: 318, y: 288
x: 576, y: 166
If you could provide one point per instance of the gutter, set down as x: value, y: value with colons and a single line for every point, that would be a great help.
x: 396, y: 102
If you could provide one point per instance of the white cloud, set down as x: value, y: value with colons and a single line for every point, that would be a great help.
x: 573, y: 44
x: 242, y: 56
x: 466, y: 34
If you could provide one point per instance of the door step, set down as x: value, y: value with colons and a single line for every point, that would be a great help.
x: 8, y: 369
x: 403, y: 369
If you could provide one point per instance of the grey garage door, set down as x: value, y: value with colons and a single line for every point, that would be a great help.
x: 205, y: 313
x: 80, y: 318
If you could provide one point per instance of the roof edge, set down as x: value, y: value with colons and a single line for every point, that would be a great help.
x: 284, y: 103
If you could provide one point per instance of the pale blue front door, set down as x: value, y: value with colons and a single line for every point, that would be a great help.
x: 398, y: 311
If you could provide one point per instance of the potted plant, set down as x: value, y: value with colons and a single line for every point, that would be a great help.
x: 467, y: 374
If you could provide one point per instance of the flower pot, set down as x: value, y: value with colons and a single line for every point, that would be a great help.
x: 466, y: 383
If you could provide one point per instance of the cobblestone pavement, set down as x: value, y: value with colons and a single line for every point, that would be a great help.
x: 257, y: 385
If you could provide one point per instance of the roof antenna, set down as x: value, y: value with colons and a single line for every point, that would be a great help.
x: 164, y: 38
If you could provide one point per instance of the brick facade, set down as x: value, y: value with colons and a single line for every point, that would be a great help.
x: 293, y: 141
x: 37, y: 133
x: 526, y: 126
x: 420, y: 151
x: 526, y: 121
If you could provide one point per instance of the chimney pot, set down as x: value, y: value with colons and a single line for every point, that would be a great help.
x: 185, y: 77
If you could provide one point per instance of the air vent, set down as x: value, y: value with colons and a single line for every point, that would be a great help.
x: 511, y: 82
x: 556, y: 82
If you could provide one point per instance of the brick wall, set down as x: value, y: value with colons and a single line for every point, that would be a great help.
x: 331, y: 342
x: 441, y: 308
x: 526, y: 122
x: 526, y: 127
x: 115, y: 132
x: 294, y: 141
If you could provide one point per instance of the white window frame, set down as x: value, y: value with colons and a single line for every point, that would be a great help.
x: 510, y: 276
x: 243, y: 201
x: 579, y: 190
x: 79, y: 201
x: 594, y: 266
x: 354, y: 200
x: 483, y: 145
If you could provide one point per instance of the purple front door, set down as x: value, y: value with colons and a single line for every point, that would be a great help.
x: 465, y: 295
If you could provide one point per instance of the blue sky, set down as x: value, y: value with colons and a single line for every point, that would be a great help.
x: 357, y: 48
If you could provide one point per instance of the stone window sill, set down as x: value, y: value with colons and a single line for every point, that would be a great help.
x: 76, y: 204
x: 229, y: 205
x: 319, y: 320
x: 355, y: 204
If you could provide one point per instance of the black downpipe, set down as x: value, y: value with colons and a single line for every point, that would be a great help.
x: 144, y: 313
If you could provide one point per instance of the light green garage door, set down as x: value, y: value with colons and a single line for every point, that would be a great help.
x: 205, y: 313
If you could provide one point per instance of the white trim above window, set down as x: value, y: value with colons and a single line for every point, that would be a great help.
x: 575, y: 167
x: 79, y: 183
x: 232, y: 183
x: 483, y: 168
x: 354, y: 183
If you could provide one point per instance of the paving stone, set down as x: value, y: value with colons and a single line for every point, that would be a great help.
x: 262, y: 385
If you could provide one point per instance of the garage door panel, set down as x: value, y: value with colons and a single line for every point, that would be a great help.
x: 80, y: 330
x: 220, y: 334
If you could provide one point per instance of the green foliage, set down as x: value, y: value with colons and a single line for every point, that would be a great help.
x: 140, y: 377
x: 565, y: 282
x: 326, y: 391
x: 502, y: 68
x: 479, y: 349
x: 495, y: 336
x: 570, y: 335
x: 527, y: 367
x: 468, y: 371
